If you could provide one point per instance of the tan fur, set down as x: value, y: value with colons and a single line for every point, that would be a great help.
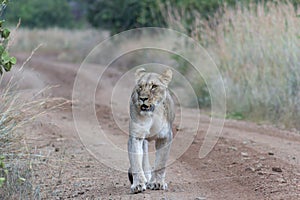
x: 151, y: 118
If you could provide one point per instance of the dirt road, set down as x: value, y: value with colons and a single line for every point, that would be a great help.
x: 249, y: 161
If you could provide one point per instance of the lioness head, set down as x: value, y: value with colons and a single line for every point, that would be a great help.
x: 150, y: 89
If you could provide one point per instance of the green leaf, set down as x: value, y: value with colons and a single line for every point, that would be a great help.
x: 1, y: 49
x: 2, y: 165
x: 5, y: 57
x: 5, y: 2
x: 2, y: 179
x: 13, y: 60
x: 5, y: 33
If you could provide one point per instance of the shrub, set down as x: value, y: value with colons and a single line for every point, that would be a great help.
x: 40, y: 14
x: 6, y: 61
x: 119, y: 15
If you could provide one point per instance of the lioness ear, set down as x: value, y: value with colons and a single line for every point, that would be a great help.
x: 139, y: 73
x: 166, y: 77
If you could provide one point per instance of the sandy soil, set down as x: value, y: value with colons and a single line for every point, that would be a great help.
x: 249, y: 161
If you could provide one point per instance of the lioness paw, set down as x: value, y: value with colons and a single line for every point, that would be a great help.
x: 137, y: 188
x: 157, y: 186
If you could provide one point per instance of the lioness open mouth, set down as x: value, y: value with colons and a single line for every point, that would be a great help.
x: 147, y: 108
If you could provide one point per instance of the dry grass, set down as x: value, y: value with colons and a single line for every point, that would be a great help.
x: 18, y: 109
x: 257, y: 51
x: 68, y: 45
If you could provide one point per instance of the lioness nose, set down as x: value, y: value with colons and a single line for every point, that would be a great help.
x: 143, y: 98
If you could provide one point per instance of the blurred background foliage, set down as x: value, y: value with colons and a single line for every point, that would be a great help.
x: 115, y: 16
x: 41, y: 14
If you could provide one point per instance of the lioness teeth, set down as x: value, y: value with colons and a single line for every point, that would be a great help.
x: 147, y: 108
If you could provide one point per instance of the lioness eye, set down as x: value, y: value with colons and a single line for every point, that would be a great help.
x: 154, y: 87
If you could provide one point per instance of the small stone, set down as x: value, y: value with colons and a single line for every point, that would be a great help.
x: 56, y: 149
x: 200, y: 198
x: 250, y: 169
x: 281, y: 180
x: 260, y: 173
x: 262, y: 158
x: 232, y: 148
x: 276, y: 169
x: 244, y: 154
x: 258, y: 167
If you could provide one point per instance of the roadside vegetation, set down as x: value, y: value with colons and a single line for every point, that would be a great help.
x: 255, y: 46
x: 18, y: 109
x: 257, y: 51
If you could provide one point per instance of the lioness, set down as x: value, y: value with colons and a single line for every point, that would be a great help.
x: 151, y: 118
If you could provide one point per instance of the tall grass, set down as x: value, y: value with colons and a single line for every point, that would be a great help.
x: 17, y: 110
x: 257, y: 49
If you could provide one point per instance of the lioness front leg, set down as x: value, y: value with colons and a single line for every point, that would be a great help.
x: 146, y: 164
x: 135, y: 153
x: 157, y: 181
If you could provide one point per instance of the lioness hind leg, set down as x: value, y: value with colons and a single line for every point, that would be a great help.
x: 157, y: 181
x: 130, y: 175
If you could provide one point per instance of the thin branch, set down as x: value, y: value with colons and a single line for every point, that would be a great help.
x: 32, y: 53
